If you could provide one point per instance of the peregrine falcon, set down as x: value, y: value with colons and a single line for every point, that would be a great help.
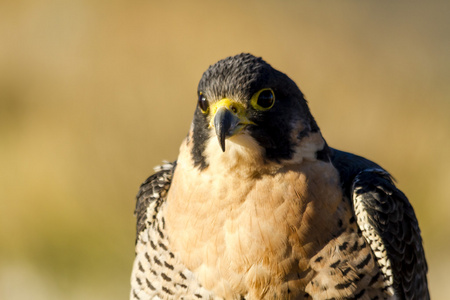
x: 258, y: 206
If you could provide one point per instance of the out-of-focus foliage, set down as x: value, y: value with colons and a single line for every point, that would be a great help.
x: 93, y: 94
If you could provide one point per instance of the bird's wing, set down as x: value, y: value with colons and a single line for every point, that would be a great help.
x: 153, y: 190
x: 388, y: 223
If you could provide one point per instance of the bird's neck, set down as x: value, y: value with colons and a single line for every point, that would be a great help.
x: 244, y: 157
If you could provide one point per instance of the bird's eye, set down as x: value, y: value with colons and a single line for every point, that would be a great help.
x: 203, y: 103
x: 263, y: 100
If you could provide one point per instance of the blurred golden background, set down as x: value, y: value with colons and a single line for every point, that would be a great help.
x: 93, y: 94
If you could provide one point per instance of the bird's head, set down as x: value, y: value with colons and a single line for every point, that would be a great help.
x: 244, y: 102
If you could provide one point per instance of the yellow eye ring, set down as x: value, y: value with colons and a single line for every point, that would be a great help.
x: 263, y: 100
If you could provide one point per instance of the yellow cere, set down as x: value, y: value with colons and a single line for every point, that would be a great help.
x: 235, y: 107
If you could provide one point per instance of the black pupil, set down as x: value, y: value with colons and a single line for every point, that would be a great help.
x: 202, y: 102
x: 265, y: 99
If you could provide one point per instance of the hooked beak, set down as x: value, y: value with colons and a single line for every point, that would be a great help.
x: 225, y: 123
x: 229, y: 118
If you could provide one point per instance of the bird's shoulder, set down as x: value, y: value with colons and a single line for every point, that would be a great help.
x: 153, y: 191
x: 387, y: 221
